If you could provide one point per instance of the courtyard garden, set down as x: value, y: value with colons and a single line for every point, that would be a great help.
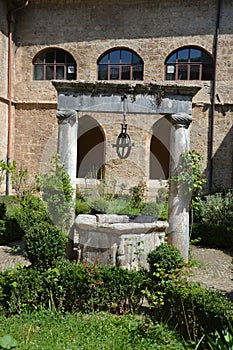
x: 55, y: 303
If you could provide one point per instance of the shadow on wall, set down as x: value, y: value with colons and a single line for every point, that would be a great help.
x: 90, y: 149
x: 165, y: 19
x: 91, y: 162
x: 222, y: 175
x: 159, y: 149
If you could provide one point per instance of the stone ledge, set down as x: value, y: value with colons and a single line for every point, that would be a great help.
x: 126, y: 87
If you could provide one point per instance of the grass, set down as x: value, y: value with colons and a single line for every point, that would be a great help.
x: 52, y: 331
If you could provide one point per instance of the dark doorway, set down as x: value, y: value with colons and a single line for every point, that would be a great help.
x: 90, y: 149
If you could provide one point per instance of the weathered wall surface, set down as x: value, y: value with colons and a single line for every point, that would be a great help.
x: 151, y: 28
x: 36, y: 138
x: 3, y: 79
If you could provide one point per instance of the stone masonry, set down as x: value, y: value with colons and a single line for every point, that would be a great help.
x: 86, y: 29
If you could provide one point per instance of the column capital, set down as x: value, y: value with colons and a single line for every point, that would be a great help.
x: 66, y: 115
x: 181, y: 120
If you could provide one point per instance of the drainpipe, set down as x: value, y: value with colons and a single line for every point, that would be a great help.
x: 11, y: 21
x: 212, y: 98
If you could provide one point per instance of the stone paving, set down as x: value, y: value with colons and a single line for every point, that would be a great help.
x: 215, y: 270
x: 11, y: 255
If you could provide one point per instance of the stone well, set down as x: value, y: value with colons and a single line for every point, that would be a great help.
x: 121, y: 240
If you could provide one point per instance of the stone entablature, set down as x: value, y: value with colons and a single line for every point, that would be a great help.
x: 151, y: 98
x: 120, y: 240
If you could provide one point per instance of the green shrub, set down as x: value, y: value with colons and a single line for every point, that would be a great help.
x: 164, y: 212
x: 215, y: 236
x: 150, y: 209
x: 9, y: 220
x: 138, y: 194
x: 86, y: 287
x: 57, y: 193
x: 68, y: 286
x: 21, y: 289
x: 115, y: 289
x: 82, y: 207
x: 2, y: 221
x: 216, y: 209
x: 44, y: 244
x: 213, y: 221
x: 99, y: 205
x: 2, y: 210
x: 113, y: 206
x: 32, y: 210
x: 193, y: 310
x: 222, y: 339
x: 165, y: 257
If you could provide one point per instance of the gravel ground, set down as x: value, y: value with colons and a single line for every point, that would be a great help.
x: 215, y: 270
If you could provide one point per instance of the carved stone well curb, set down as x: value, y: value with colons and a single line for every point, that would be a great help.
x: 120, y: 240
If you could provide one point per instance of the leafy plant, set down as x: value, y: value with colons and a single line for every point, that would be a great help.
x: 9, y: 219
x: 8, y: 342
x: 31, y: 211
x: 193, y: 310
x: 138, y: 194
x: 82, y: 207
x: 44, y: 244
x: 190, y: 176
x: 19, y: 180
x: 57, y: 193
x: 221, y: 339
x: 166, y: 257
x: 216, y: 209
x: 213, y: 220
x: 3, y: 169
x: 151, y: 209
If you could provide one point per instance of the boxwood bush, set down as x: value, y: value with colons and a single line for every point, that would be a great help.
x: 193, y: 310
x: 10, y: 210
x: 213, y: 221
x: 71, y: 287
x: 165, y: 257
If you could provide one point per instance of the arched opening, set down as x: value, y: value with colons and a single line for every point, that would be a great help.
x: 90, y: 149
x: 159, y: 150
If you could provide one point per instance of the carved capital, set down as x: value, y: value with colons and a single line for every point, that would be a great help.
x: 66, y: 116
x: 181, y: 120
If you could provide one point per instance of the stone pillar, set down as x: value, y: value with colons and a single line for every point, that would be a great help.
x: 179, y: 197
x: 67, y: 141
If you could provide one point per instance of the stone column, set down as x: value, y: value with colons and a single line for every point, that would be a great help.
x: 179, y: 197
x: 67, y: 141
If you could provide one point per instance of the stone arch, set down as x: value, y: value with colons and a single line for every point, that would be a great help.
x: 159, y: 150
x: 90, y: 149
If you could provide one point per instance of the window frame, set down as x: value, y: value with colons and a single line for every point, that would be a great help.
x: 178, y: 63
x: 119, y: 64
x: 68, y: 61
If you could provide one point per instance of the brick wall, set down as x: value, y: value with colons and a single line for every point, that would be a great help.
x: 151, y: 28
x: 3, y: 79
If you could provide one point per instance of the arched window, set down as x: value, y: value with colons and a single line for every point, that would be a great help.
x: 54, y: 64
x: 189, y: 63
x: 120, y: 64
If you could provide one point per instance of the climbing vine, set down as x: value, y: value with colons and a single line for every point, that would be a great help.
x: 195, y: 179
x: 190, y: 175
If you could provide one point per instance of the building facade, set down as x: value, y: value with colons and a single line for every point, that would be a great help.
x: 126, y: 42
